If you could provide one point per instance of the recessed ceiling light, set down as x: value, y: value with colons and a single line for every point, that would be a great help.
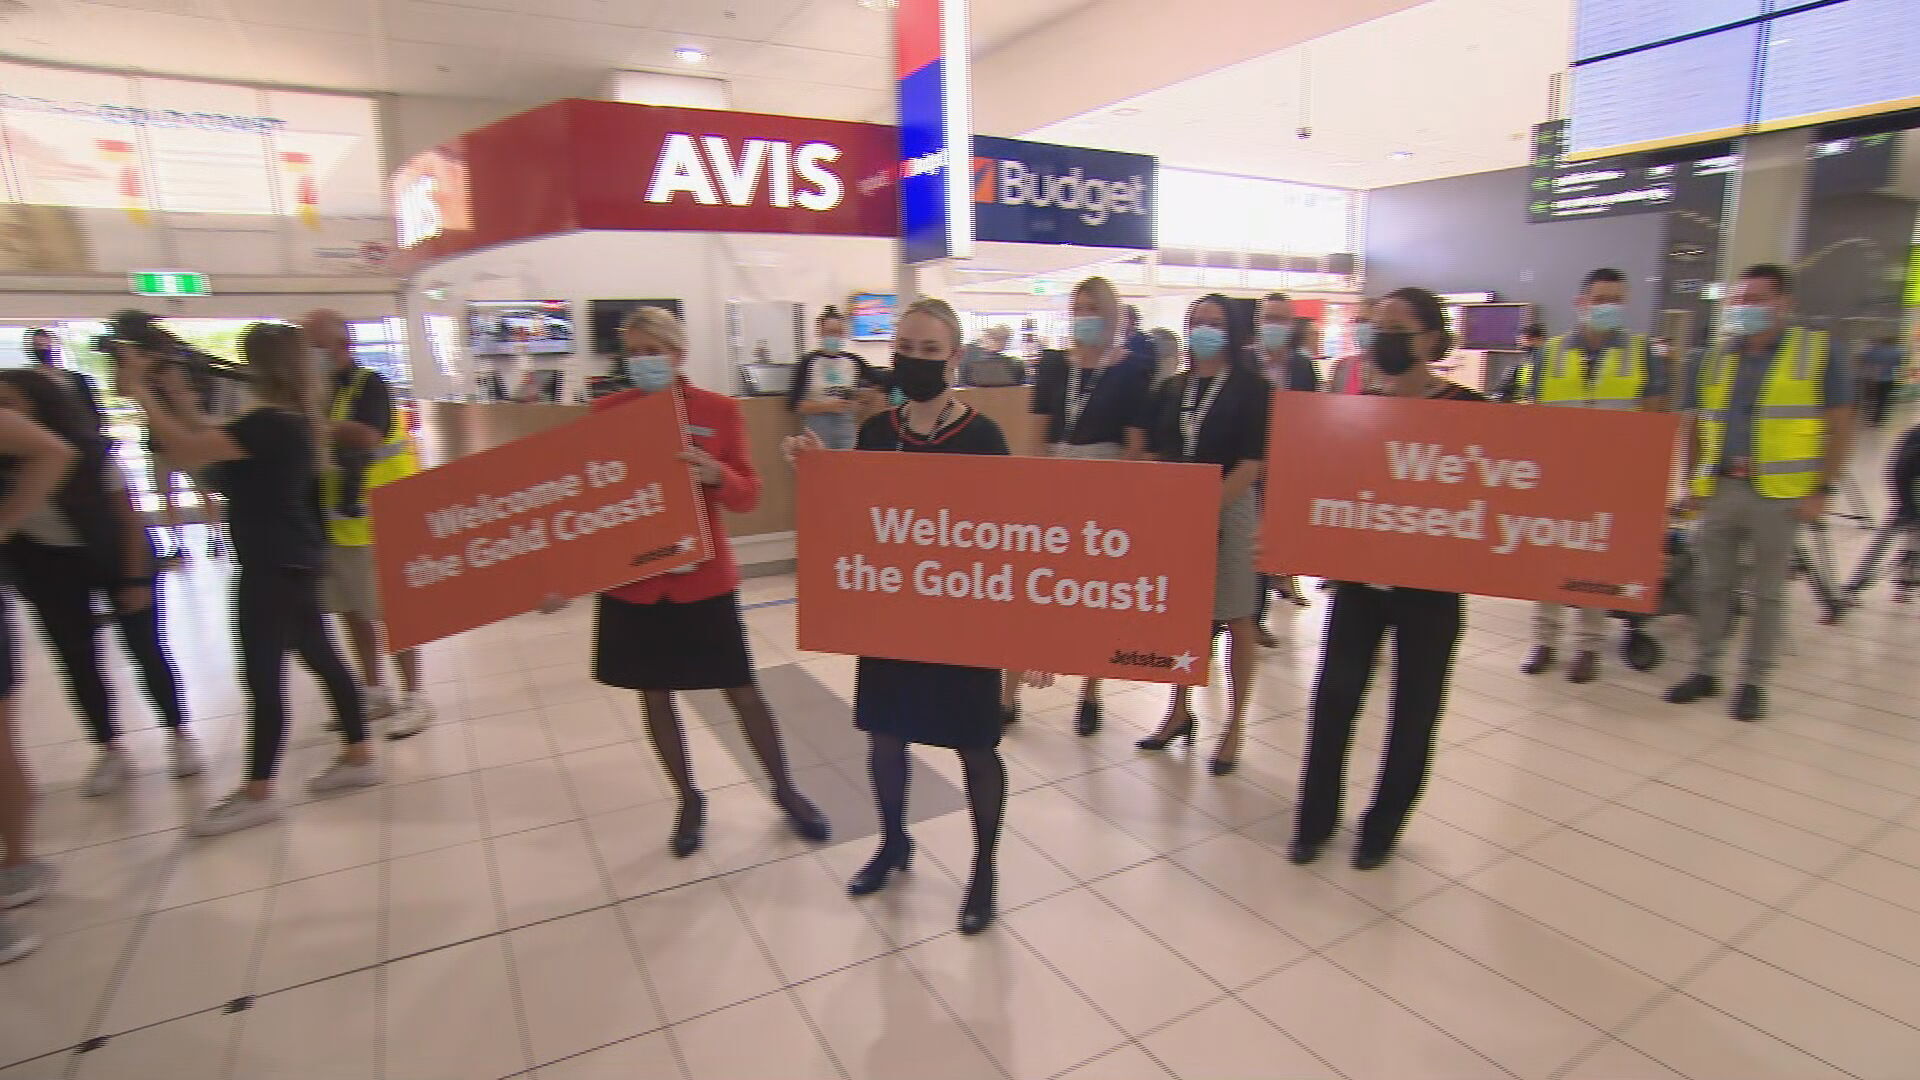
x: 1126, y: 110
x: 688, y: 54
x: 879, y: 5
x: 1401, y: 155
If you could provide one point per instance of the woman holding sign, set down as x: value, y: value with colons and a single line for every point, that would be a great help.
x: 897, y: 702
x: 1411, y: 336
x: 1093, y: 407
x: 1216, y: 414
x: 682, y: 631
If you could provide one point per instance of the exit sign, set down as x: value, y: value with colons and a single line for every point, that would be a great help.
x: 169, y: 283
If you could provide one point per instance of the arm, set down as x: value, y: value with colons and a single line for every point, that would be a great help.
x: 371, y: 418
x: 185, y: 436
x: 1137, y: 445
x: 1240, y: 479
x: 44, y: 460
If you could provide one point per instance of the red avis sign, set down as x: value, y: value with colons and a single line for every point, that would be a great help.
x: 576, y: 165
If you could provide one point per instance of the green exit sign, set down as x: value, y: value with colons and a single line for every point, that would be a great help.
x: 169, y: 283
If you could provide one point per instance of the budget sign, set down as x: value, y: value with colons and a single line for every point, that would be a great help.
x: 1540, y: 503
x: 600, y: 502
x: 1074, y: 567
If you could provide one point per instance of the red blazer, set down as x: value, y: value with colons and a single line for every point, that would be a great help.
x: 713, y: 425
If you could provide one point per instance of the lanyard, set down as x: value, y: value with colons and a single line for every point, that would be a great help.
x: 1193, y: 412
x: 906, y: 432
x: 1077, y: 399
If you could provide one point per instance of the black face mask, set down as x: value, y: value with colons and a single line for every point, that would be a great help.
x: 1392, y: 352
x: 42, y: 353
x: 920, y: 380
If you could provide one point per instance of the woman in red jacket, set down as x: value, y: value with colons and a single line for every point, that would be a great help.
x: 683, y: 631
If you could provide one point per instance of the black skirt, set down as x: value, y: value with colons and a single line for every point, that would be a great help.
x: 931, y: 704
x: 669, y: 646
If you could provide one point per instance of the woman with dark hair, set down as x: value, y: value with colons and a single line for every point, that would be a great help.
x: 86, y: 541
x: 266, y: 463
x: 1411, y: 336
x: 1216, y: 414
x: 898, y: 702
x: 827, y: 387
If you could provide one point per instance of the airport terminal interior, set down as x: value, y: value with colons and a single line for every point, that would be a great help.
x: 514, y: 208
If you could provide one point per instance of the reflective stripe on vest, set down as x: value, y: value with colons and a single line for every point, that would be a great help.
x: 391, y: 460
x: 1789, y: 420
x: 1619, y: 384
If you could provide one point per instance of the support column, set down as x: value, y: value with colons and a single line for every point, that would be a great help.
x: 1767, y: 202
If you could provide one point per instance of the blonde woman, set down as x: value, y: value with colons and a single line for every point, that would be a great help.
x: 266, y: 463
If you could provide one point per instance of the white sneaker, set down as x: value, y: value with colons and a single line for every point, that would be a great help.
x: 376, y: 702
x: 234, y: 813
x: 109, y: 774
x: 414, y: 716
x: 184, y: 758
x: 15, y: 943
x: 25, y: 883
x: 342, y: 776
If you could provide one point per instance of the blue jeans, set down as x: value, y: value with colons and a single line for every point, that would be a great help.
x: 836, y: 431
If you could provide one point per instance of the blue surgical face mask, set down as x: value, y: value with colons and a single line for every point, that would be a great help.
x: 832, y: 344
x: 1090, y: 331
x: 1607, y: 318
x: 1749, y: 318
x: 1363, y: 336
x: 650, y: 373
x: 1275, y: 336
x: 1206, y: 342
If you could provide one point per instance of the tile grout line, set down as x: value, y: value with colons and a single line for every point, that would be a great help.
x: 501, y: 932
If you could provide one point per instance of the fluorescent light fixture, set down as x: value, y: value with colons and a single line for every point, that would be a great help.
x: 1126, y: 110
x: 958, y: 77
x: 1401, y: 155
x: 689, y: 54
x: 879, y: 5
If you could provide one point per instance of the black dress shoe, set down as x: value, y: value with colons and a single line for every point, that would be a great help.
x: 1585, y: 669
x: 976, y: 914
x: 1693, y: 688
x: 873, y: 877
x: 1305, y: 851
x: 690, y: 827
x: 1370, y: 858
x: 1088, y: 720
x: 1539, y: 660
x: 1220, y: 766
x: 806, y: 818
x: 1750, y: 703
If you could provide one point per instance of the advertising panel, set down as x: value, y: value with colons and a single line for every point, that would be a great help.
x: 935, y: 129
x: 1040, y: 193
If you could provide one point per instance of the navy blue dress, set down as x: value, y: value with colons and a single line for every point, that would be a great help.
x: 934, y: 704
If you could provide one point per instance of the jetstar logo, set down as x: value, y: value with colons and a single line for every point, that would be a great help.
x: 1007, y: 182
x: 707, y: 168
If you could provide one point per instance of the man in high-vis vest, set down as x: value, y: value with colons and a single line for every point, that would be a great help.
x: 1773, y: 419
x: 371, y: 447
x: 1601, y: 367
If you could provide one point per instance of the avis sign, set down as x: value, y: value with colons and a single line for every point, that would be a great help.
x: 1039, y: 193
x: 709, y: 169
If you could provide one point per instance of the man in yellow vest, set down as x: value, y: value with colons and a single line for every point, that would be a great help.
x: 1773, y: 419
x: 371, y: 447
x: 1601, y: 367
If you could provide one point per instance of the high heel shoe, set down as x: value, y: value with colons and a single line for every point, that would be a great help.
x: 873, y: 877
x: 1186, y: 729
x: 976, y: 914
x: 1087, y: 721
x: 690, y: 827
x: 1220, y: 764
x: 806, y: 818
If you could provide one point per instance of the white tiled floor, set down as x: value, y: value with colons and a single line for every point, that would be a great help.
x: 1597, y: 886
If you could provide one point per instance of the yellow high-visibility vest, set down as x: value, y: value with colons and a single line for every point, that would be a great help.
x: 1789, y: 421
x: 392, y: 460
x: 1567, y: 376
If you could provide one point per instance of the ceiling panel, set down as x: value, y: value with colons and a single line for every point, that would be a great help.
x: 741, y: 20
x: 839, y: 27
x: 339, y: 16
x: 995, y: 22
x: 443, y: 24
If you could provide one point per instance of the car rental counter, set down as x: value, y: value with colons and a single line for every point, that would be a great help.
x: 453, y: 429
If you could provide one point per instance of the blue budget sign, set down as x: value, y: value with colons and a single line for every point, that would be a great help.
x: 1039, y: 193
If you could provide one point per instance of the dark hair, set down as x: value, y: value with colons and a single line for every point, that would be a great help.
x: 39, y: 331
x: 1773, y: 272
x: 1278, y: 297
x: 1605, y: 274
x: 58, y: 409
x: 1428, y: 313
x: 1534, y: 329
x: 1239, y: 334
x: 828, y: 312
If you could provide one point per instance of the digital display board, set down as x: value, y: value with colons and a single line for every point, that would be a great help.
x: 1604, y: 27
x: 1840, y: 62
x: 1561, y: 189
x: 1696, y: 90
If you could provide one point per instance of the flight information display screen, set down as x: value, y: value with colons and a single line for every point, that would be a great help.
x: 1605, y: 27
x: 1694, y: 90
x: 1839, y: 62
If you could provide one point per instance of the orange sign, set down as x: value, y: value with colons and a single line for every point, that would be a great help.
x: 596, y: 503
x: 1563, y: 505
x: 1074, y: 567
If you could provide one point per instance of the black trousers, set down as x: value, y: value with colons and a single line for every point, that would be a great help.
x: 1875, y: 398
x: 1426, y: 633
x: 277, y: 611
x: 60, y: 584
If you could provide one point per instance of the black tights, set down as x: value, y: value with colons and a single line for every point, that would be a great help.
x: 986, y: 780
x: 59, y: 584
x: 277, y: 611
x: 756, y: 721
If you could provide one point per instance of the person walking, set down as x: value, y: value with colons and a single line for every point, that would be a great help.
x: 44, y: 349
x: 1281, y: 353
x: 267, y: 463
x: 1094, y: 406
x: 38, y: 462
x: 1880, y: 364
x: 1601, y: 367
x: 1349, y: 374
x: 1773, y: 424
x: 371, y: 449
x: 1216, y: 414
x: 898, y: 702
x: 87, y: 542
x: 1411, y: 338
x: 683, y: 631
